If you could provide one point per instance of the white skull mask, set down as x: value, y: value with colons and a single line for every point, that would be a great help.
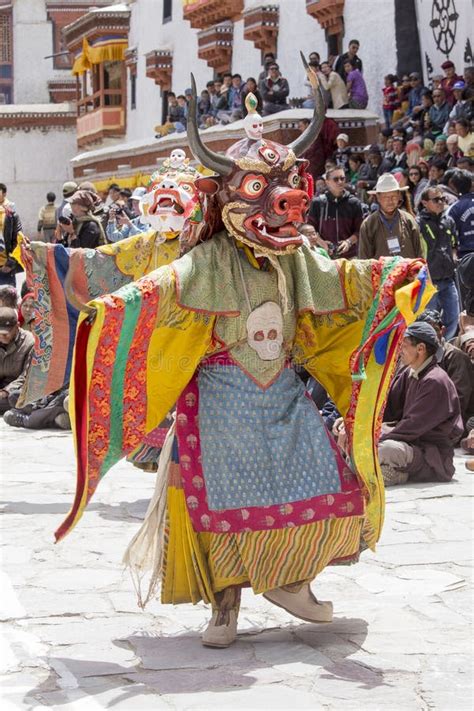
x: 265, y: 331
x: 253, y: 126
x: 164, y: 207
x: 177, y: 158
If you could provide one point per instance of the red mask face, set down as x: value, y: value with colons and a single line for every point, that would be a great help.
x: 264, y: 199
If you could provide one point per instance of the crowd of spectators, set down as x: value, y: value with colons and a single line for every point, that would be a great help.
x: 223, y: 99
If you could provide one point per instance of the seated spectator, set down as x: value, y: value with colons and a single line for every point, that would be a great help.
x: 274, y: 90
x: 421, y: 119
x: 389, y: 231
x: 268, y: 59
x: 26, y: 312
x: 455, y: 363
x: 465, y: 163
x: 417, y: 442
x: 15, y: 349
x: 8, y: 296
x: 308, y: 103
x: 233, y: 109
x: 449, y: 80
x: 439, y: 112
x: 463, y: 108
x: 336, y: 216
x: 342, y: 152
x: 48, y: 412
x: 440, y: 149
x: 204, y: 108
x: 453, y: 150
x: 121, y: 225
x: 353, y: 171
x: 416, y: 184
x: 84, y: 230
x: 356, y: 88
x: 414, y: 95
x: 48, y: 219
x: 439, y: 233
x: 462, y: 211
x: 223, y: 102
x: 403, y: 91
x: 352, y: 56
x: 250, y: 87
x: 465, y: 137
x: 332, y: 82
x: 466, y: 343
x: 175, y: 119
x: 437, y: 170
x: 397, y: 159
x: 371, y: 169
x: 390, y: 98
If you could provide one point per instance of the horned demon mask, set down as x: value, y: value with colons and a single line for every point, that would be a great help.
x: 260, y: 184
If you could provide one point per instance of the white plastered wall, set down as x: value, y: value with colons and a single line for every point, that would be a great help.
x: 32, y: 164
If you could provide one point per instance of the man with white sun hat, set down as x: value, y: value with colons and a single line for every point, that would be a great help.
x: 389, y: 231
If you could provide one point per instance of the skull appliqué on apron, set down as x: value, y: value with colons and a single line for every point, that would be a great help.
x: 265, y: 330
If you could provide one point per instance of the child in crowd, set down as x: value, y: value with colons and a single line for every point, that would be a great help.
x: 342, y: 153
x: 390, y: 98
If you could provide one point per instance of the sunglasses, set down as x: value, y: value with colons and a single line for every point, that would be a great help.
x: 438, y: 199
x: 338, y: 180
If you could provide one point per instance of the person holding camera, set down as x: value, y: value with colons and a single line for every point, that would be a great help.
x: 121, y: 224
x: 84, y: 229
x: 336, y: 216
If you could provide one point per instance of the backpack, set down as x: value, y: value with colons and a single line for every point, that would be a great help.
x: 50, y: 217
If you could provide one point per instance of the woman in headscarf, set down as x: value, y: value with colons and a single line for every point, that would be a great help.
x: 26, y: 312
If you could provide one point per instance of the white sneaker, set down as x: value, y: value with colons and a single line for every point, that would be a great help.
x: 301, y: 604
x: 221, y: 630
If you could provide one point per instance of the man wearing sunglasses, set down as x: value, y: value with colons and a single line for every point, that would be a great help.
x: 336, y: 216
x: 439, y: 233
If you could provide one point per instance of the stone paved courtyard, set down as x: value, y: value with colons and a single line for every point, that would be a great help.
x: 74, y: 639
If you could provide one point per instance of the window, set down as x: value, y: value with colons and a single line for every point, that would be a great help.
x: 62, y: 58
x: 133, y: 91
x: 167, y: 10
x: 6, y: 58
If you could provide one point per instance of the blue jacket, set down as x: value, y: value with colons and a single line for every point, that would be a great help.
x: 462, y: 213
x: 115, y: 233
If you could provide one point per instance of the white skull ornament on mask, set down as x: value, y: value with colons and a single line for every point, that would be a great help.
x: 253, y: 122
x: 265, y: 331
x: 177, y: 159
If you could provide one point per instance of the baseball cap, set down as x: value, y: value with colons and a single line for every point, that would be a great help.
x: 459, y: 85
x: 138, y: 193
x: 8, y: 319
x: 423, y: 332
x: 414, y: 75
x: 69, y: 187
x: 343, y: 137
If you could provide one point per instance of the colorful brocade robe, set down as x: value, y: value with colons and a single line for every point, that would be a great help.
x: 255, y: 462
x: 63, y: 280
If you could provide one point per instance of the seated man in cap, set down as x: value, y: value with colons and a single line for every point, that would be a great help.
x: 15, y: 348
x: 455, y: 362
x: 389, y: 231
x: 449, y: 80
x: 423, y: 416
